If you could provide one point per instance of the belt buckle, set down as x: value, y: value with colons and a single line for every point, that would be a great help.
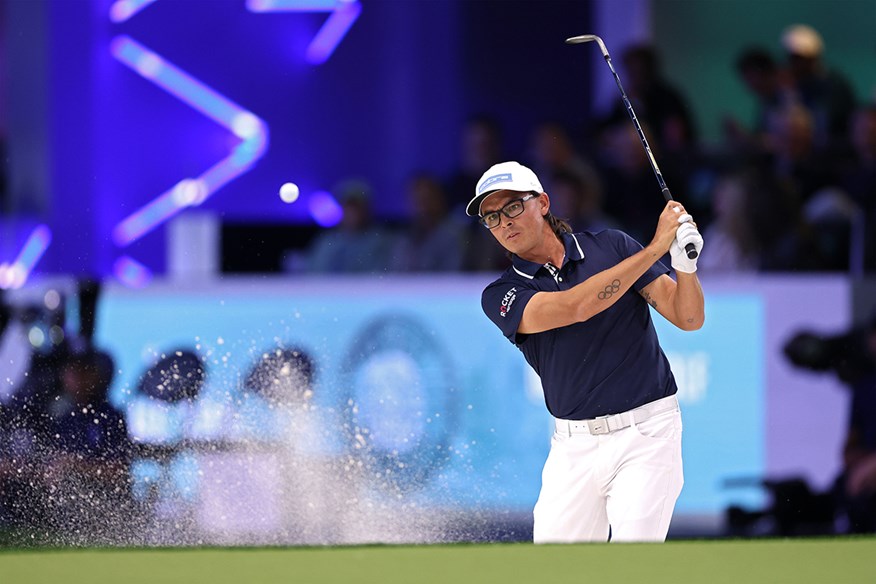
x: 598, y: 425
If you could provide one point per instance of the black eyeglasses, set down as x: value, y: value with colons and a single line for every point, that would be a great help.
x: 511, y: 209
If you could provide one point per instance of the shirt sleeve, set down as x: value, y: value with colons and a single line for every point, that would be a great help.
x: 503, y: 302
x: 628, y: 246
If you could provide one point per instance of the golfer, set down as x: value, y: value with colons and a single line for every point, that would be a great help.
x: 577, y: 306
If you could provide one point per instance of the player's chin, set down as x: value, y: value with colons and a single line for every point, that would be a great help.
x: 512, y: 240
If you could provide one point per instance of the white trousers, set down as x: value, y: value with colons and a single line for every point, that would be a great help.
x: 624, y: 483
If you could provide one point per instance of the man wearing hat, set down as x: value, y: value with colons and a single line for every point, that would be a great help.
x: 824, y: 91
x: 577, y: 307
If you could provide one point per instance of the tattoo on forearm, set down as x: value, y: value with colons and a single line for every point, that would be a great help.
x: 649, y: 299
x: 609, y: 290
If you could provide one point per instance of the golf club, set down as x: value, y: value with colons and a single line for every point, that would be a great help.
x: 586, y: 38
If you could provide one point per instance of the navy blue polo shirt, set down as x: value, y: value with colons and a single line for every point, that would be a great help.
x: 608, y: 364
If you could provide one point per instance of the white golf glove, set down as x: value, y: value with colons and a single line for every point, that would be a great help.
x: 687, y: 233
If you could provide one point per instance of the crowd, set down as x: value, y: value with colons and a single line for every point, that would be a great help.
x: 794, y: 189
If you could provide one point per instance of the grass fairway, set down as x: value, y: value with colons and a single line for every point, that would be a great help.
x: 798, y: 561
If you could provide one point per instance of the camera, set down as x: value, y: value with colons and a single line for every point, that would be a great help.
x: 849, y: 355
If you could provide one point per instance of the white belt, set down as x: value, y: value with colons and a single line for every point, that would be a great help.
x: 606, y: 424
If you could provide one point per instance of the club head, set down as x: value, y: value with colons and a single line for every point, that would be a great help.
x: 587, y: 38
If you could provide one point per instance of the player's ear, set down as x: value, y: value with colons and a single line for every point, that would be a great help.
x: 545, y: 201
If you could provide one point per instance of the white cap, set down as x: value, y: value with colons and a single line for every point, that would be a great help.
x: 505, y: 176
x: 803, y: 40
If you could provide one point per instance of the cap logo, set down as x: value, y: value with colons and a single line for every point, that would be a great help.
x: 496, y: 178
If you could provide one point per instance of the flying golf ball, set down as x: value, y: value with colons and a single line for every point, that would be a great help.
x: 289, y: 192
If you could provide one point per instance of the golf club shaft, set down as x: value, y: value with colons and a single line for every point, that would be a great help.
x: 586, y: 38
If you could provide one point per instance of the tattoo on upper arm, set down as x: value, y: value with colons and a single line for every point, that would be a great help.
x: 648, y: 298
x: 609, y: 290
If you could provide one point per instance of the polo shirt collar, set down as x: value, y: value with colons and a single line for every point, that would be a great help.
x: 529, y: 269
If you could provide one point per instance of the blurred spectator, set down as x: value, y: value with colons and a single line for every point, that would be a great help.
x: 763, y: 79
x: 733, y: 244
x: 553, y: 152
x: 825, y: 92
x: 482, y: 253
x: 859, y: 174
x: 851, y: 355
x: 65, y: 470
x: 858, y: 180
x: 576, y: 202
x: 758, y: 225
x: 433, y: 238
x: 833, y: 220
x: 357, y: 244
x: 656, y: 102
x: 632, y: 194
x: 793, y: 157
x: 65, y: 453
x: 480, y: 147
x: 810, y: 177
x: 856, y: 486
x: 668, y: 123
x: 80, y: 420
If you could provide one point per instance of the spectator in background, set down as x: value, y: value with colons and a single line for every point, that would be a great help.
x: 810, y: 177
x: 826, y: 93
x: 733, y: 244
x: 657, y: 103
x: 357, y: 244
x: 856, y: 486
x: 762, y: 77
x: 433, y: 238
x: 552, y: 152
x: 859, y: 172
x: 851, y: 356
x: 667, y: 120
x: 792, y: 155
x: 631, y: 191
x: 758, y: 225
x: 68, y: 476
x: 576, y: 202
x: 858, y: 180
x: 480, y: 147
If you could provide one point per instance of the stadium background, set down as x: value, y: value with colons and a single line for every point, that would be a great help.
x: 90, y: 141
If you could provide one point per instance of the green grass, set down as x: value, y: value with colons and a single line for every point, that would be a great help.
x: 797, y: 561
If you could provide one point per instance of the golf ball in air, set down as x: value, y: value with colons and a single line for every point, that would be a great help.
x: 289, y: 192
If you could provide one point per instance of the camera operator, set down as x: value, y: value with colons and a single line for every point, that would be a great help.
x: 852, y: 357
x: 65, y: 455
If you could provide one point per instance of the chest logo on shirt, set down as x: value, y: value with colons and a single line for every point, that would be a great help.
x: 507, y: 301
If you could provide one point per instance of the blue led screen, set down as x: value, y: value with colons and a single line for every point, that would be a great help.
x: 431, y: 383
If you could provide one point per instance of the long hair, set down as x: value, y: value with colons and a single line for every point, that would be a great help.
x: 558, y: 226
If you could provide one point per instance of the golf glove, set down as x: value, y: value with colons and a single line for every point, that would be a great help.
x: 687, y: 233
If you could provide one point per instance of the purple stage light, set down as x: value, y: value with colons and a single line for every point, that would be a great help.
x: 132, y: 273
x: 332, y: 32
x: 324, y: 209
x: 15, y: 275
x: 189, y: 192
x: 343, y: 14
x: 122, y: 10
